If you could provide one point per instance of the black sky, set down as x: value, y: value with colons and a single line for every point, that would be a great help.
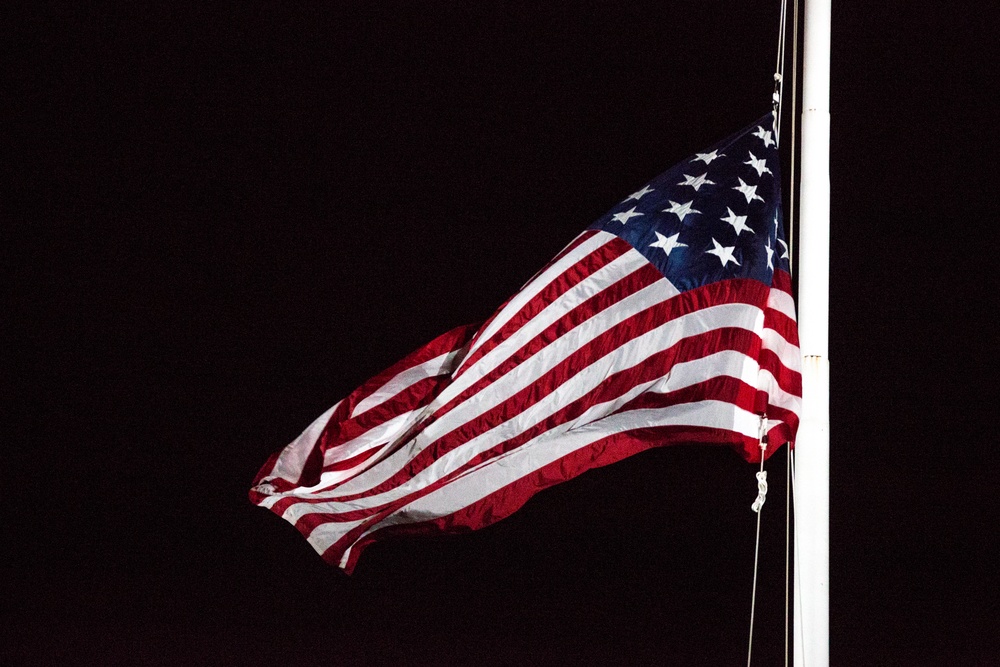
x: 219, y: 220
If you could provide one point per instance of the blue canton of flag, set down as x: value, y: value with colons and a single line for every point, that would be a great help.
x: 714, y: 216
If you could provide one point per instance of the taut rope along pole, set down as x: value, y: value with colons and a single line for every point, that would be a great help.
x: 790, y: 231
x: 779, y: 72
x: 790, y: 227
x: 757, y: 506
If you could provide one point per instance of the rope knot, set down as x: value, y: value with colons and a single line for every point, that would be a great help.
x: 761, y: 491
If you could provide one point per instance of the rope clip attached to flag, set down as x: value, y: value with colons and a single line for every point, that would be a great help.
x: 762, y: 475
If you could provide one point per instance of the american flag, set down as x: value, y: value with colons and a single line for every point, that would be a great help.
x: 669, y: 320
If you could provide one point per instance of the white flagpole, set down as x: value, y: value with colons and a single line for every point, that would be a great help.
x: 812, y: 451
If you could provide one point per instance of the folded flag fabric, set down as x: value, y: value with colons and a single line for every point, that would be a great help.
x: 669, y: 320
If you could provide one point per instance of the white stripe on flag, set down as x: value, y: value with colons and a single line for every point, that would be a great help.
x: 788, y: 353
x: 493, y: 475
x: 727, y: 363
x: 293, y: 457
x: 538, y: 284
x: 521, y: 377
x: 440, y: 365
x: 601, y: 279
x: 782, y: 302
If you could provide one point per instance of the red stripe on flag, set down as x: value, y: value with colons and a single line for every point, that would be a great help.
x: 583, y: 236
x: 782, y: 280
x: 789, y: 380
x: 550, y: 294
x: 722, y: 388
x: 639, y: 279
x: 784, y: 325
x: 329, y: 438
x: 691, y: 347
x: 504, y: 502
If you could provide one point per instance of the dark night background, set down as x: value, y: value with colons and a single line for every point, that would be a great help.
x: 219, y: 219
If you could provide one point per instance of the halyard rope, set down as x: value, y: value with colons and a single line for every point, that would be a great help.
x: 758, y: 504
x: 790, y: 230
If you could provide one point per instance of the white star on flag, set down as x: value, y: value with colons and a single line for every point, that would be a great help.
x: 707, y: 157
x: 749, y: 191
x: 784, y: 254
x: 765, y: 136
x: 624, y: 216
x: 758, y: 165
x: 770, y: 254
x: 639, y: 194
x: 724, y: 253
x: 667, y: 243
x: 681, y: 209
x: 739, y: 222
x: 696, y: 181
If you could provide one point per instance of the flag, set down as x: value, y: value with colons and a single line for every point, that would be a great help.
x: 669, y: 320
